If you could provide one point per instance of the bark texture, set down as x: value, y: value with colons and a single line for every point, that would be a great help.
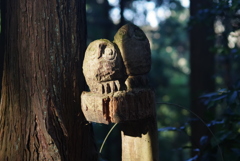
x: 40, y: 116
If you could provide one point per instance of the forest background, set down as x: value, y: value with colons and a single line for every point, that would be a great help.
x: 195, y: 61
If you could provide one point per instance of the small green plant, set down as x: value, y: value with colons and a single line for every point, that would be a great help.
x: 225, y: 141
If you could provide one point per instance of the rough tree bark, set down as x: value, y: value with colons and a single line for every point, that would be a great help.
x: 40, y: 116
x: 202, y: 66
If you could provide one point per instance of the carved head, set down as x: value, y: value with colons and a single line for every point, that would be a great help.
x: 103, y: 63
x: 134, y: 48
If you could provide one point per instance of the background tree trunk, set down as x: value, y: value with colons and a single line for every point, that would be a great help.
x: 2, y: 25
x: 40, y: 116
x: 202, y: 65
x: 122, y: 4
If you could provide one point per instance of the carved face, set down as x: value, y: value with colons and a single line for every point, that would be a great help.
x: 102, y: 63
x: 134, y: 48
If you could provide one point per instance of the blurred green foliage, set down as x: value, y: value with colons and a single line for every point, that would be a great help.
x: 169, y: 75
x: 224, y: 144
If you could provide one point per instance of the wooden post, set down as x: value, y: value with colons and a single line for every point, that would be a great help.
x: 116, y: 75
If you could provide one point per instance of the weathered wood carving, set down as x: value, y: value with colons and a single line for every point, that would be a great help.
x: 134, y: 48
x: 116, y: 75
x: 103, y: 67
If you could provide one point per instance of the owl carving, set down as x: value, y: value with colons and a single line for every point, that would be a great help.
x: 134, y: 48
x: 103, y: 67
x: 116, y: 75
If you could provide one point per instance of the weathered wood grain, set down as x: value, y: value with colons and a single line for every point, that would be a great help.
x: 119, y: 106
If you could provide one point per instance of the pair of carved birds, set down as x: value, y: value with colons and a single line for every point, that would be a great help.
x: 108, y: 64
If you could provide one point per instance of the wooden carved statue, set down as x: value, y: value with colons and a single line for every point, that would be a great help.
x: 135, y: 51
x: 116, y: 75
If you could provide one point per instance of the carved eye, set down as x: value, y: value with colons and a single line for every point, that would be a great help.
x: 138, y: 34
x: 108, y: 54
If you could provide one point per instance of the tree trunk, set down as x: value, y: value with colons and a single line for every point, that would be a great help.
x: 122, y: 4
x: 40, y: 116
x: 202, y: 66
x: 2, y: 25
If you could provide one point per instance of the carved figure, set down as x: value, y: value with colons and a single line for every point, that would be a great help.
x: 103, y: 67
x: 116, y: 75
x: 134, y: 48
